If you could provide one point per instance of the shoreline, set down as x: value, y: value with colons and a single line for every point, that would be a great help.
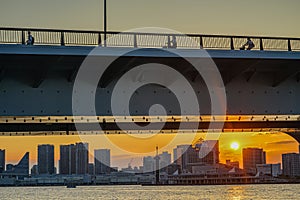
x: 94, y: 185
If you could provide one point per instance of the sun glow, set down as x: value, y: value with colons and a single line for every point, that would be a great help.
x: 234, y: 145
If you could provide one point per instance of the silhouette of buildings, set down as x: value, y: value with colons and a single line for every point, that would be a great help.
x: 67, y: 162
x: 291, y: 164
x: 46, y: 159
x: 148, y: 164
x: 34, y: 170
x: 269, y: 169
x: 179, y: 156
x: 160, y: 161
x: 164, y: 159
x: 22, y: 168
x: 2, y: 160
x: 208, y: 151
x: 252, y: 157
x: 102, y: 161
x: 194, y: 164
x: 91, y: 169
x: 82, y: 158
x: 203, y: 153
x: 74, y: 159
x: 235, y: 164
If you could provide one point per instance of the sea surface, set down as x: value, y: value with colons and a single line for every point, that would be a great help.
x: 234, y: 192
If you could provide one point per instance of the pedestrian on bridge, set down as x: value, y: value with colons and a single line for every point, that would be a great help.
x: 30, y: 40
x: 249, y: 43
x: 173, y: 42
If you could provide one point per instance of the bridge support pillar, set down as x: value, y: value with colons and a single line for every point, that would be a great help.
x: 295, y: 135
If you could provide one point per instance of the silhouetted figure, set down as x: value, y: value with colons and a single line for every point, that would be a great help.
x: 30, y: 40
x: 249, y: 43
x: 173, y: 42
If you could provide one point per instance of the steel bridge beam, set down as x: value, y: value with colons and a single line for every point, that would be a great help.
x: 112, y: 123
x: 52, y: 81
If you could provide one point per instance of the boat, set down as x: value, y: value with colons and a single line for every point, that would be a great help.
x: 71, y: 185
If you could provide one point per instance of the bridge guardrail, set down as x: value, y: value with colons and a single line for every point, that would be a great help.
x: 150, y: 40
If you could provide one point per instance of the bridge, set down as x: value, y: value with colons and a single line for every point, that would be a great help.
x: 36, y: 82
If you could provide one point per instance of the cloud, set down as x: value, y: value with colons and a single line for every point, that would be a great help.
x: 229, y: 154
x: 283, y: 142
x: 267, y: 133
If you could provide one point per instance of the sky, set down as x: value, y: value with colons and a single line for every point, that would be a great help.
x: 237, y: 17
x: 230, y: 17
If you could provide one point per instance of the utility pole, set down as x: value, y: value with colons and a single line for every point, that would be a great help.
x: 157, y: 167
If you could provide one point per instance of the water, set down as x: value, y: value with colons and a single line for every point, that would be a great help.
x: 223, y: 192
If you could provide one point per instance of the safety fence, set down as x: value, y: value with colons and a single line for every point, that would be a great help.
x: 144, y: 40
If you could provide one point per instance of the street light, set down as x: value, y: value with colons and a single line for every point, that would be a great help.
x: 105, y: 22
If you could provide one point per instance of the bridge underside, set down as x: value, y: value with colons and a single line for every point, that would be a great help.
x: 38, y: 81
x: 36, y: 85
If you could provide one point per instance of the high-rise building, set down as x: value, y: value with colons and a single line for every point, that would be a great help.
x: 91, y: 170
x: 102, y: 161
x: 276, y: 169
x: 164, y: 159
x: 175, y: 157
x: 46, y: 159
x: 74, y: 159
x: 203, y: 153
x: 2, y: 160
x: 179, y: 156
x: 291, y: 164
x: 148, y: 164
x: 34, y: 170
x: 82, y: 158
x: 208, y: 151
x: 269, y: 169
x: 179, y: 150
x: 67, y: 162
x: 252, y: 157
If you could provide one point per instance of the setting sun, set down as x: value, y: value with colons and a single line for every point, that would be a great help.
x: 234, y: 146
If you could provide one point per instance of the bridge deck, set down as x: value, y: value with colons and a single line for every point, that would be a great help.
x: 37, y: 74
x: 143, y: 52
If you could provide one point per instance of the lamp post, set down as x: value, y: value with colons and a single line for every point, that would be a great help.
x: 104, y: 22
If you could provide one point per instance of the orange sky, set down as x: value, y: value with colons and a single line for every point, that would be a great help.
x: 125, y: 148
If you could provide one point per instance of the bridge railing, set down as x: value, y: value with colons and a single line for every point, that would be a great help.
x: 151, y: 40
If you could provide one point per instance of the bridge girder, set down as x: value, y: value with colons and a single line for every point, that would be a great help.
x: 46, y: 81
x: 40, y: 83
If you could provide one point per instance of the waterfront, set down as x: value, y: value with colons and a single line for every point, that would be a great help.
x: 224, y: 192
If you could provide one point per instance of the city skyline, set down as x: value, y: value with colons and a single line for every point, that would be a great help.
x: 139, y: 99
x: 203, y: 155
x: 140, y: 157
x: 197, y: 163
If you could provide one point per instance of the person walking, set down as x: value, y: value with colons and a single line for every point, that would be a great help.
x: 30, y: 40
